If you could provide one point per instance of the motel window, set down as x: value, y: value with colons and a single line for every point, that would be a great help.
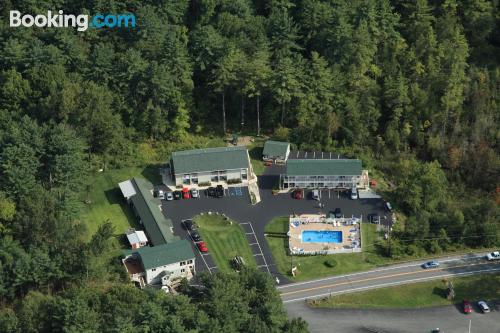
x: 190, y: 261
x: 183, y: 270
x: 182, y: 263
x: 154, y: 269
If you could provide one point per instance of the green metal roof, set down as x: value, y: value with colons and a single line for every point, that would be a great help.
x: 275, y: 148
x: 156, y: 224
x: 340, y: 167
x: 210, y: 159
x: 165, y: 254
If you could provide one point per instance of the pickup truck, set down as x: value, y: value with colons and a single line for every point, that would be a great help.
x: 493, y: 256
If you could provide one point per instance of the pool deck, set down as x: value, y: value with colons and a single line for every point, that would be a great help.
x: 300, y: 223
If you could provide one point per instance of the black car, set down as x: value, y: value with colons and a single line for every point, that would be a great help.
x: 337, y: 212
x: 189, y: 225
x: 211, y: 191
x: 373, y: 218
x: 196, y: 236
x: 177, y: 195
x: 219, y: 191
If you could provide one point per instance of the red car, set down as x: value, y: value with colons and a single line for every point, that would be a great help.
x: 297, y: 194
x: 202, y: 246
x: 186, y: 195
x: 467, y: 306
x: 268, y: 163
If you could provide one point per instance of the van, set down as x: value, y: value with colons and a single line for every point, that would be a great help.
x: 315, y: 195
x: 354, y: 193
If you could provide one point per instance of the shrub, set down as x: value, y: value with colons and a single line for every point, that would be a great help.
x: 204, y: 184
x: 234, y: 181
x: 331, y: 263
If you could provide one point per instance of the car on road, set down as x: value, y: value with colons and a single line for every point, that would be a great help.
x: 388, y: 206
x: 430, y: 264
x: 483, y: 306
x: 195, y: 193
x: 467, y: 306
x: 189, y: 225
x: 169, y: 196
x: 177, y: 195
x: 493, y: 256
x: 337, y: 213
x: 211, y: 192
x: 268, y: 163
x: 297, y: 194
x: 219, y: 191
x: 202, y: 246
x: 195, y: 236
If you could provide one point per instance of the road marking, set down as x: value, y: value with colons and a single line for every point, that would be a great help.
x: 248, y: 233
x: 378, y: 270
x: 254, y: 244
x: 389, y: 284
x: 259, y: 254
x: 244, y: 223
x: 262, y: 253
x: 201, y: 254
x: 378, y: 278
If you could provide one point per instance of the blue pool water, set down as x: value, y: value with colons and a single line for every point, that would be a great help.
x: 323, y: 236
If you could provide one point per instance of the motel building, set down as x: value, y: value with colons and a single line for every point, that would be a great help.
x: 276, y: 151
x: 157, y: 257
x: 209, y: 167
x: 324, y: 173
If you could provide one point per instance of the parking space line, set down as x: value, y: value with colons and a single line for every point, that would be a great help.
x: 254, y: 244
x: 259, y: 254
x: 201, y: 254
x: 248, y: 233
x: 262, y: 253
x: 244, y: 222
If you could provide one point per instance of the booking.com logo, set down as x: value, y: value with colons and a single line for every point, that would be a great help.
x: 81, y: 22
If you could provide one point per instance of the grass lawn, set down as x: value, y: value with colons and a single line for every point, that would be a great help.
x: 311, y: 267
x: 224, y: 240
x: 107, y: 201
x: 422, y: 294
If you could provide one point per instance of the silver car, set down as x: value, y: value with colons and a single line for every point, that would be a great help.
x: 483, y: 306
x: 195, y: 193
x: 169, y: 196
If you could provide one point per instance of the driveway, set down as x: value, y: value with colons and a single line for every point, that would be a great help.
x: 448, y: 318
x: 236, y: 205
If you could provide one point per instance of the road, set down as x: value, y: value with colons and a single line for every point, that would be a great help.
x: 449, y: 319
x: 386, y: 276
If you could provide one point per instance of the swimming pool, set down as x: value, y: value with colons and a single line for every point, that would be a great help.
x: 322, y: 236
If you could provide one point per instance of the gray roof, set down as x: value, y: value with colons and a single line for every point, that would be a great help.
x: 165, y: 254
x: 275, y: 148
x: 209, y: 159
x: 324, y: 167
x: 155, y: 223
x: 127, y: 188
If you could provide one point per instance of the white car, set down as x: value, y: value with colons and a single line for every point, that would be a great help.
x: 493, y: 256
x: 161, y: 194
x: 354, y: 193
x: 195, y: 193
x: 169, y: 196
x: 483, y: 306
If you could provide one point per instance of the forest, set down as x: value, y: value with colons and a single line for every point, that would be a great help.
x: 412, y: 87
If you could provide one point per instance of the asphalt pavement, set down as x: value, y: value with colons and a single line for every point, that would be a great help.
x: 449, y: 319
x: 386, y: 276
x: 236, y: 205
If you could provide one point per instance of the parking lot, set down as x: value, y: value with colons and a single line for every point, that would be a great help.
x: 236, y: 205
